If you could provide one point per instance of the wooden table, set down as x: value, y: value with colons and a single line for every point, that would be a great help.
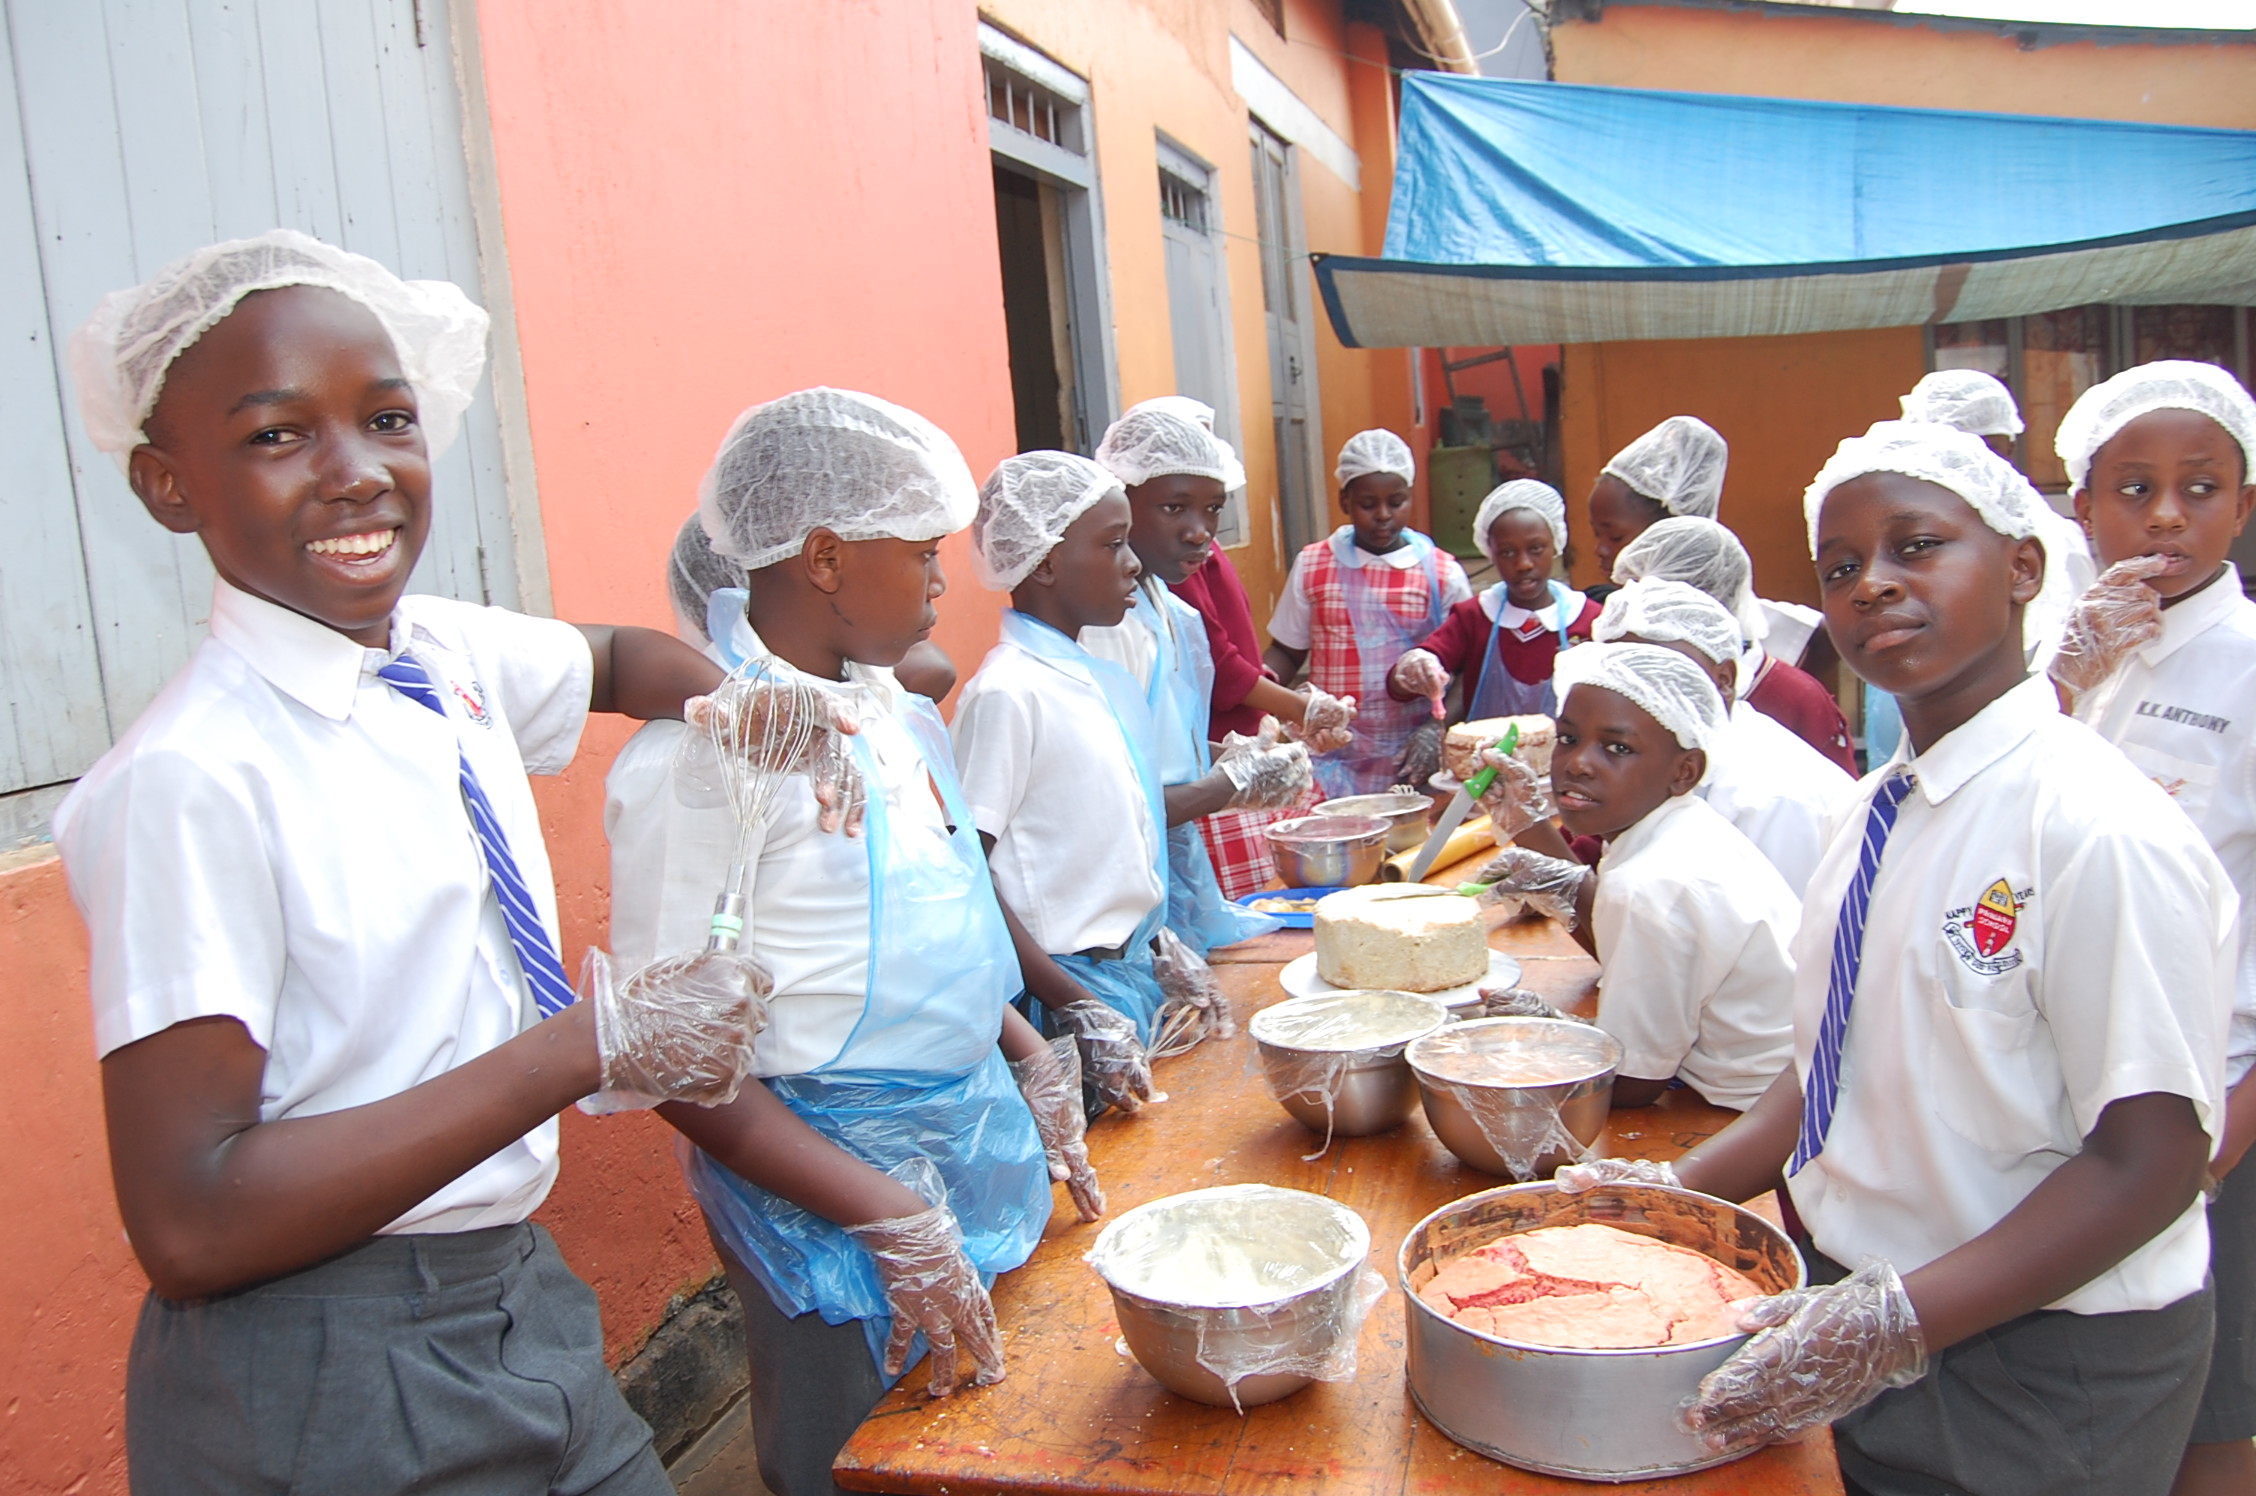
x: 1078, y: 1415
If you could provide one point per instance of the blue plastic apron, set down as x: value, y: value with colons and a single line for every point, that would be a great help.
x: 1499, y: 693
x: 1181, y: 695
x: 1125, y: 984
x: 920, y: 1076
x: 1382, y: 636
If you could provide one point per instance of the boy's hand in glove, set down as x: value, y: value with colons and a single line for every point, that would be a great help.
x: 2116, y: 616
x: 1327, y: 724
x: 1515, y: 1002
x: 1112, y: 1057
x: 1265, y: 772
x: 1820, y: 1353
x: 680, y: 1029
x: 1517, y: 797
x: 1051, y: 1083
x: 1548, y: 885
x: 930, y: 1285
x: 1574, y: 1179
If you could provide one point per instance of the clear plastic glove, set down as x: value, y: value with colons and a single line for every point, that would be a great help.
x: 1515, y: 1002
x: 680, y: 1029
x: 1420, y: 673
x: 1266, y: 772
x: 1420, y: 759
x: 1194, y: 1010
x: 2117, y: 615
x: 1548, y: 885
x: 1574, y: 1179
x: 1112, y: 1057
x: 1051, y: 1083
x: 930, y: 1285
x: 1327, y: 723
x: 1821, y: 1353
x: 1517, y: 797
x: 778, y: 727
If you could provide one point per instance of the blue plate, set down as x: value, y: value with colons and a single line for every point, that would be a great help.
x: 1300, y: 920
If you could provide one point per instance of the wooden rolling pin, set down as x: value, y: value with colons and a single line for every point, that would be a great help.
x: 1477, y: 834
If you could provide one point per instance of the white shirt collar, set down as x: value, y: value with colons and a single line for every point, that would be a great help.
x: 1990, y: 735
x: 1351, y: 554
x: 2195, y: 616
x: 1631, y: 841
x: 307, y: 661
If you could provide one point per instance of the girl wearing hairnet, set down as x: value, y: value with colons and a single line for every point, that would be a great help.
x: 1356, y: 601
x: 1675, y: 468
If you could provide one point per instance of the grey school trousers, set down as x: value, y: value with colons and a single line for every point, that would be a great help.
x: 469, y: 1364
x: 812, y: 1385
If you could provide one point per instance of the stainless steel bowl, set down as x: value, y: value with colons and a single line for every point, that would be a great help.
x: 1594, y: 1415
x: 1405, y: 815
x: 1468, y: 1076
x: 1334, y: 1059
x: 1328, y: 851
x: 1186, y: 1303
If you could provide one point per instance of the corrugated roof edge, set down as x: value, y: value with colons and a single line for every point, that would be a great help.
x: 2030, y: 35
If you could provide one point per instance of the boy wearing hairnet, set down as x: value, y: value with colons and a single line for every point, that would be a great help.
x: 1706, y: 555
x: 2161, y: 661
x: 898, y: 1148
x: 333, y: 1018
x: 1499, y: 648
x: 1359, y: 599
x: 1691, y: 923
x: 2011, y: 990
x: 1781, y: 793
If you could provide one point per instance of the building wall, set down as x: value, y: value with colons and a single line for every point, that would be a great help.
x: 1784, y: 402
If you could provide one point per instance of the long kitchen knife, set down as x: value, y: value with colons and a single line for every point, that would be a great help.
x: 1460, y: 806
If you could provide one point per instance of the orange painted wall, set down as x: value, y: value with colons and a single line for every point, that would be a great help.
x: 1783, y: 403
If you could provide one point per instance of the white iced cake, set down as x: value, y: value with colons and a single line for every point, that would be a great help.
x: 1386, y: 936
x: 1460, y: 749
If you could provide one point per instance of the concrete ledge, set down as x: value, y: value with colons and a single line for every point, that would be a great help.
x: 691, y: 1371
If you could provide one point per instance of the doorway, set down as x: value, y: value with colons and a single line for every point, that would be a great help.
x: 1285, y: 314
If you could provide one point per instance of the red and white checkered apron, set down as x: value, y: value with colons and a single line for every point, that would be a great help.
x: 1361, y: 620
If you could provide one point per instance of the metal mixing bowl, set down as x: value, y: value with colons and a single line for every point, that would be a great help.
x: 1328, y: 851
x: 1334, y: 1059
x: 1462, y: 1071
x: 1160, y: 1258
x: 1594, y: 1415
x: 1404, y: 813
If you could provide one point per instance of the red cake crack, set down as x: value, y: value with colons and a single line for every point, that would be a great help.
x: 1589, y: 1287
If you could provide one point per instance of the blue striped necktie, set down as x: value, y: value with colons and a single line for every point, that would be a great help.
x: 1823, y: 1089
x: 536, y: 953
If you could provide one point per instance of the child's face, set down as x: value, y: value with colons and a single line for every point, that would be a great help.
x: 1618, y: 515
x: 1174, y: 518
x: 1519, y: 543
x: 884, y: 596
x: 286, y: 441
x: 1378, y: 505
x: 1612, y: 765
x: 2168, y: 484
x: 1092, y: 570
x: 1921, y: 597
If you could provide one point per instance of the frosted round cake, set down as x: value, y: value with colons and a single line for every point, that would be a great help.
x: 1403, y: 939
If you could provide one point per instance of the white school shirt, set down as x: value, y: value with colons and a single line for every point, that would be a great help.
x: 1047, y: 773
x: 1981, y: 1050
x: 806, y: 916
x: 1789, y: 628
x: 1780, y: 792
x: 1289, y: 621
x: 2183, y: 710
x: 1130, y: 645
x: 1694, y: 929
x: 281, y: 839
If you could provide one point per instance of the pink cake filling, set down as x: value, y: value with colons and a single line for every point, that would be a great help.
x: 1590, y: 1287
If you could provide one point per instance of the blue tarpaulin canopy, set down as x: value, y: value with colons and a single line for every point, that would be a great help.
x: 1554, y: 212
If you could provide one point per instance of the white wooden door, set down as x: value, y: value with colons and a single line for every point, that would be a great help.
x: 143, y: 129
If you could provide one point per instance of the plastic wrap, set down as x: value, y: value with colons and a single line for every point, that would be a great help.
x: 1112, y: 1058
x: 1192, y: 1008
x: 1596, y: 1173
x: 1267, y: 772
x: 679, y: 1029
x: 1327, y: 723
x: 933, y: 1289
x: 1516, y: 1002
x: 1051, y: 1083
x: 1309, y: 1046
x: 1274, y: 1279
x: 1819, y: 1354
x: 1515, y: 1079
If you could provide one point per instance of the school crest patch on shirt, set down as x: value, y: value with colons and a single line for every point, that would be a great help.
x: 1979, y: 933
x: 473, y: 699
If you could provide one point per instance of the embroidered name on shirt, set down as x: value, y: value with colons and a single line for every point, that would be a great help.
x: 1978, y: 933
x: 2184, y: 715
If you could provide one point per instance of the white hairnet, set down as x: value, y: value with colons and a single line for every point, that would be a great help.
x: 1197, y: 412
x: 2169, y: 384
x: 694, y: 574
x: 1972, y: 401
x: 1700, y: 553
x: 1024, y: 508
x: 1375, y: 451
x: 1539, y: 499
x: 121, y: 356
x: 1675, y: 692
x: 1153, y: 442
x: 857, y: 466
x: 1678, y: 465
x: 1659, y: 612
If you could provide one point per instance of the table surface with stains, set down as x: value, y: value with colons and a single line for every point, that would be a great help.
x: 1076, y: 1414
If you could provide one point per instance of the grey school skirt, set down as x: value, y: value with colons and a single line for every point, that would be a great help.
x: 463, y: 1363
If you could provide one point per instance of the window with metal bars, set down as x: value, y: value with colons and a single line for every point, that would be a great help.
x: 1181, y: 202
x: 1027, y: 106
